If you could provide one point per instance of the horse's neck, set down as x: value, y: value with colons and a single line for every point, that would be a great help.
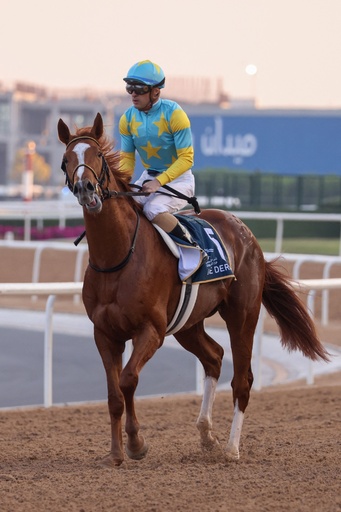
x: 109, y: 233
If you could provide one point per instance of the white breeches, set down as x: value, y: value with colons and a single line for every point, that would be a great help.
x: 159, y: 203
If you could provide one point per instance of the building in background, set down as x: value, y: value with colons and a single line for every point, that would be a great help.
x: 228, y: 133
x: 29, y: 113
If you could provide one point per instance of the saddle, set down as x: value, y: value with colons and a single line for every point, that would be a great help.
x: 191, y: 270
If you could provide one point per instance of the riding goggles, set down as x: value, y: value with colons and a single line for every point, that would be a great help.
x: 139, y: 89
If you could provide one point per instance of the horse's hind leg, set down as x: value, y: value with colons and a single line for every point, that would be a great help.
x: 241, y: 324
x: 210, y: 354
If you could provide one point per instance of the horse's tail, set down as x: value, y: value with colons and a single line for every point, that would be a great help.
x: 296, y: 327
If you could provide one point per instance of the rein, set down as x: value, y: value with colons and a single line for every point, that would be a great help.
x: 109, y: 194
x: 105, y: 193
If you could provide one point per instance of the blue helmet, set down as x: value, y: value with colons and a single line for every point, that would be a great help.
x: 146, y: 72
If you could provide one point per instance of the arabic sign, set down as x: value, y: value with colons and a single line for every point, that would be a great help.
x: 284, y: 144
x: 215, y: 142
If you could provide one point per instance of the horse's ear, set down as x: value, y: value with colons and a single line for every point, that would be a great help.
x: 97, y: 129
x: 63, y: 132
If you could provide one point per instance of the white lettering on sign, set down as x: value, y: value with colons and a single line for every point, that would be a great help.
x: 215, y: 143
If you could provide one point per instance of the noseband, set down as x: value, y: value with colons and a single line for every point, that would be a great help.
x: 100, y: 179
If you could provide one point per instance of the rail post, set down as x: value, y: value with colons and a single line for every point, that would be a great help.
x: 48, y: 351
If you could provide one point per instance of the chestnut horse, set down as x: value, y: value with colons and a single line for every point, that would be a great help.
x: 131, y: 291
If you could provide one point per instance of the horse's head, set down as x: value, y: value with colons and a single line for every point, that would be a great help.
x: 84, y: 165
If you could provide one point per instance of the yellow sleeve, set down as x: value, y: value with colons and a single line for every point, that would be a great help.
x: 183, y: 163
x: 181, y: 129
x: 127, y: 162
x: 127, y: 153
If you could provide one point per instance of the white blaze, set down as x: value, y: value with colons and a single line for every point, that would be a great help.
x: 80, y: 149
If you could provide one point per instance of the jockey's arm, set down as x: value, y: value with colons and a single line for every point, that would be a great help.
x: 127, y: 153
x: 127, y: 162
x: 183, y: 163
x: 181, y: 129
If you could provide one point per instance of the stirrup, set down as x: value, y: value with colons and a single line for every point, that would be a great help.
x: 188, y: 237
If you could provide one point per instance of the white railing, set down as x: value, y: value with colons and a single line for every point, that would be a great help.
x: 81, y: 250
x: 54, y: 289
x: 299, y: 259
x: 41, y: 246
x: 51, y: 290
x: 310, y: 287
x: 280, y: 218
x: 39, y: 211
x: 63, y: 210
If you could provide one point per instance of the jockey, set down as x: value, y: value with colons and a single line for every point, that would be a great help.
x: 159, y: 130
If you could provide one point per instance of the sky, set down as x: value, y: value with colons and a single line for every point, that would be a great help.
x: 295, y: 45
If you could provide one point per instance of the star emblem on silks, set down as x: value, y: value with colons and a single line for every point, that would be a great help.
x: 151, y: 151
x: 162, y: 125
x: 134, y: 125
x: 173, y: 160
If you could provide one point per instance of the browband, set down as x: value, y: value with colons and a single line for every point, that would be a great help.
x: 82, y: 137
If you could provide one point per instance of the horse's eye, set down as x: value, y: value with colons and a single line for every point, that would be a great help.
x: 100, y: 154
x: 64, y: 162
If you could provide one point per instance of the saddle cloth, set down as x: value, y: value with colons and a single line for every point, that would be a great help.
x: 218, y: 264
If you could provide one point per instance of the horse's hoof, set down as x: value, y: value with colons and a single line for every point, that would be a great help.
x: 109, y: 461
x: 232, y: 453
x: 139, y: 454
x: 210, y: 443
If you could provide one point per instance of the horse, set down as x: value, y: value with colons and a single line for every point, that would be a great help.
x: 131, y: 290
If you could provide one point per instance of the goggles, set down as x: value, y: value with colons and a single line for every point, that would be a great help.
x: 137, y: 89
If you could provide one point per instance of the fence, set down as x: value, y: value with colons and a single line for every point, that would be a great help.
x: 63, y: 211
x: 39, y: 211
x: 81, y: 250
x: 54, y: 289
x: 299, y: 259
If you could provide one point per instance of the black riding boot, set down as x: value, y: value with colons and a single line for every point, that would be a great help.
x: 181, y: 232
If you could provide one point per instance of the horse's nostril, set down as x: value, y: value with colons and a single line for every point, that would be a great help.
x: 90, y: 186
x: 76, y: 188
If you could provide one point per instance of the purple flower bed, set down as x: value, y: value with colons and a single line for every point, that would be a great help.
x: 47, y: 233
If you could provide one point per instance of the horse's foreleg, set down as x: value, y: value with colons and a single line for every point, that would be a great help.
x: 111, y: 354
x: 145, y: 347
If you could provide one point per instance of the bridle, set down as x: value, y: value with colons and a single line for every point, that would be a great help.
x: 104, y: 194
x: 105, y: 174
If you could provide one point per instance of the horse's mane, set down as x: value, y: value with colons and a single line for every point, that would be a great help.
x: 112, y: 156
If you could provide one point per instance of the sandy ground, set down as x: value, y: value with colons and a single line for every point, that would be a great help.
x: 290, y: 448
x: 290, y: 457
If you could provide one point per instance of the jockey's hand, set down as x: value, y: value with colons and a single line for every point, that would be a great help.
x: 150, y: 187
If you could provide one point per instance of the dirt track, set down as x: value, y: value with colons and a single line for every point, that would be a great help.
x: 290, y: 449
x: 290, y: 457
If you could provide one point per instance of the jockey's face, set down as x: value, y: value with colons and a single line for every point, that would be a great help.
x: 145, y: 101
